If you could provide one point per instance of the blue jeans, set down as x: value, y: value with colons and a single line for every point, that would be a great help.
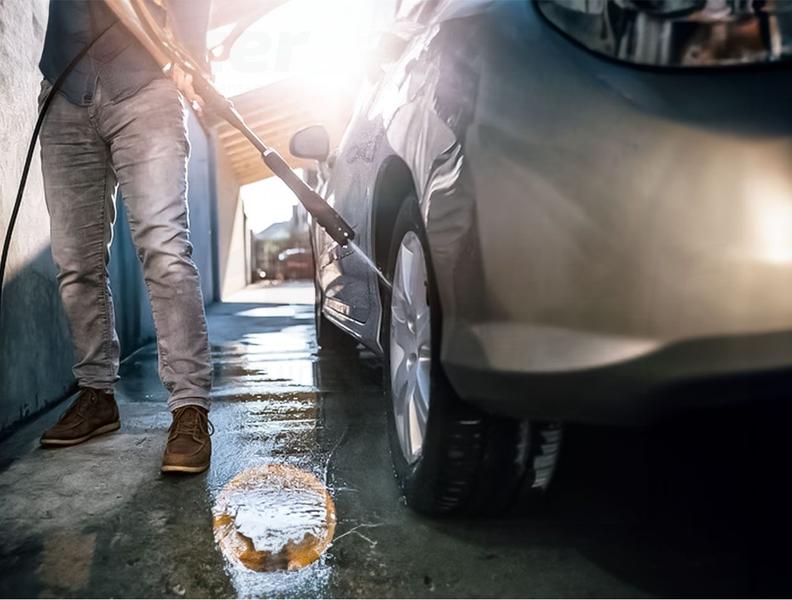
x: 139, y: 145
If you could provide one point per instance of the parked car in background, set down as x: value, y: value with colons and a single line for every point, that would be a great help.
x: 295, y: 263
x: 281, y: 250
x: 585, y: 209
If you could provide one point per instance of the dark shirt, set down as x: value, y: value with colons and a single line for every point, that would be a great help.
x: 117, y: 59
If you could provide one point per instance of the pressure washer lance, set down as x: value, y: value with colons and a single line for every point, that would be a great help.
x: 324, y: 214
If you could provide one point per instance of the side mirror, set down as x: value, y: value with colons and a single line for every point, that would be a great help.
x: 312, y: 142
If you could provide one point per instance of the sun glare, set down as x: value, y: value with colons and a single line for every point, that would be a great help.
x: 772, y: 202
x: 323, y: 42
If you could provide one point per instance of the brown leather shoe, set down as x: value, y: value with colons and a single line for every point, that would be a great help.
x: 189, y: 447
x: 93, y: 413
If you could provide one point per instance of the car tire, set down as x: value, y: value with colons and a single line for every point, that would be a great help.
x: 468, y: 461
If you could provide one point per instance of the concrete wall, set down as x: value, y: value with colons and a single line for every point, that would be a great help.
x: 35, y: 346
x: 202, y: 212
x: 232, y: 231
x: 35, y: 353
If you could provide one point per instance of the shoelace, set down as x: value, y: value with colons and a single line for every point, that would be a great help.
x: 187, y: 420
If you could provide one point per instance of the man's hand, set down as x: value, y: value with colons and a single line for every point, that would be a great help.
x: 184, y: 81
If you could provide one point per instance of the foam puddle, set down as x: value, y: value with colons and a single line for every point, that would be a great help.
x: 274, y: 518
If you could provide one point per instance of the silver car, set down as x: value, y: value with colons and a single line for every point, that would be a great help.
x: 585, y: 211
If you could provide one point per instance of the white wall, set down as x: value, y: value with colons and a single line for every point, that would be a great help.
x: 231, y: 228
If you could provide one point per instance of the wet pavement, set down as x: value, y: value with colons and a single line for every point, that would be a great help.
x: 694, y: 507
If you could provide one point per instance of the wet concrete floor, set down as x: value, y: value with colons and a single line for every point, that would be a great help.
x: 695, y: 507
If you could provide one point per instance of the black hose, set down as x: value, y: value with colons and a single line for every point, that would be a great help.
x: 29, y: 159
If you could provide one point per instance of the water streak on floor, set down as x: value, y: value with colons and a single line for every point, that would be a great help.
x: 267, y: 380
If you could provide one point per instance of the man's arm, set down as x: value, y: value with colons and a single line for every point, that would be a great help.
x: 189, y: 20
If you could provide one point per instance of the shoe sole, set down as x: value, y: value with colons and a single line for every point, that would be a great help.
x: 183, y: 469
x: 60, y: 443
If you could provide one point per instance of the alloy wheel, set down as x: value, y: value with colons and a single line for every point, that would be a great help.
x: 410, y: 346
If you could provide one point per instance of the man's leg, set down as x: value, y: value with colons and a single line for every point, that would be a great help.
x: 80, y: 187
x: 149, y: 151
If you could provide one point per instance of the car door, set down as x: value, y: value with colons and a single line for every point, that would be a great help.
x: 349, y: 285
x: 343, y: 274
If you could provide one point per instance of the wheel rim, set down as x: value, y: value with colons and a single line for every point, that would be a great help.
x: 410, y: 347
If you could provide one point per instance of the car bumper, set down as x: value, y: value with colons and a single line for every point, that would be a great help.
x: 590, y: 253
x: 611, y: 380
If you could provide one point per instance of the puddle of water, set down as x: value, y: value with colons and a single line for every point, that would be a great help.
x: 276, y: 377
x: 280, y: 402
x: 274, y: 518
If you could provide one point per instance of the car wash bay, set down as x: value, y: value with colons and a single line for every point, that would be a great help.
x: 628, y: 515
x: 693, y: 507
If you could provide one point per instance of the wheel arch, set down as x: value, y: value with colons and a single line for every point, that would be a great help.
x: 393, y: 185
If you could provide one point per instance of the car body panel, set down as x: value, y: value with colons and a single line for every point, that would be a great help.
x: 583, y: 215
x: 349, y: 289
